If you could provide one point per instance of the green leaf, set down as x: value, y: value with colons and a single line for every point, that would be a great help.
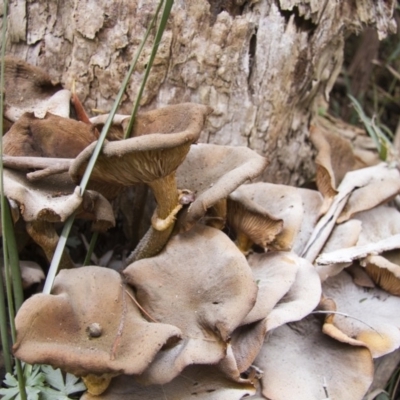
x: 9, y: 393
x: 54, y: 377
x: 10, y: 380
x: 73, y: 384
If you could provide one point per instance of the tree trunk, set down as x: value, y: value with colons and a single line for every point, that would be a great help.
x: 265, y: 66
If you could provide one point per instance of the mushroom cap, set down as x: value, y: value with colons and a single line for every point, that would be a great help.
x: 84, y: 328
x: 246, y: 216
x: 298, y: 360
x: 161, y: 140
x: 212, y: 172
x: 54, y: 199
x: 334, y: 159
x: 285, y: 203
x: 376, y: 322
x: 197, y: 382
x: 200, y: 283
x: 30, y: 89
x: 51, y: 136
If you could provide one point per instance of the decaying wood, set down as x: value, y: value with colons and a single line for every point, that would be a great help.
x: 263, y: 65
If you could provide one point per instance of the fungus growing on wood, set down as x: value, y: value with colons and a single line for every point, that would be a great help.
x: 251, y: 222
x: 212, y: 172
x: 198, y: 382
x: 88, y: 331
x: 334, y: 159
x: 300, y: 362
x: 288, y: 290
x: 51, y: 136
x: 203, y: 290
x: 161, y: 141
x: 371, y: 317
x: 30, y: 89
x: 54, y: 199
x: 283, y: 203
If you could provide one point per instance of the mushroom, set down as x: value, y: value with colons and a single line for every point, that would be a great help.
x: 288, y: 290
x: 251, y: 222
x: 89, y: 331
x: 200, y: 283
x: 300, y: 362
x: 212, y: 172
x: 370, y: 317
x: 161, y: 141
x: 30, y: 89
x: 283, y: 203
x: 334, y: 159
x: 51, y: 136
x: 198, y: 382
x: 53, y: 200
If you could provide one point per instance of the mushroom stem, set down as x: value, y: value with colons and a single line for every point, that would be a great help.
x: 44, y: 234
x: 167, y: 198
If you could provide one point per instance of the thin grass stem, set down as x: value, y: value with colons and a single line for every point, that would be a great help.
x: 157, y: 40
x: 86, y: 176
x: 90, y: 250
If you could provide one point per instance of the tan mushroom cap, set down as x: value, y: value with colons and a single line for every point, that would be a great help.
x: 250, y: 221
x: 161, y: 140
x: 374, y: 318
x: 195, y: 383
x: 334, y: 159
x: 51, y: 136
x: 384, y: 270
x: 30, y: 89
x: 298, y: 361
x: 84, y: 329
x: 288, y: 290
x: 200, y: 283
x: 212, y: 172
x: 282, y: 203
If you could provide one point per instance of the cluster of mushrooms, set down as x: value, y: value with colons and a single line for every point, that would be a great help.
x: 237, y: 290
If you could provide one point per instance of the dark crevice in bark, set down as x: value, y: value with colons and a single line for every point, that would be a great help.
x: 233, y: 7
x: 302, y: 24
x: 252, y: 56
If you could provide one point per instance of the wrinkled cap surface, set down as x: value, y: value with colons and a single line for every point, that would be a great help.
x: 298, y: 360
x: 376, y: 319
x: 54, y: 199
x: 200, y: 283
x: 212, y: 172
x: 89, y: 325
x: 30, y: 89
x: 161, y: 140
x: 196, y: 383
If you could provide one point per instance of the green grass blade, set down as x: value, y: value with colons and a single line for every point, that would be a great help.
x: 157, y: 40
x: 90, y: 250
x: 86, y: 176
x: 13, y: 258
x: 58, y: 254
x: 5, y: 344
x: 3, y: 313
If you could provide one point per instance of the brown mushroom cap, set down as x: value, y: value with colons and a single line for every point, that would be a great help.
x: 30, y: 89
x: 334, y: 159
x: 376, y: 322
x: 282, y: 203
x: 57, y: 329
x: 161, y: 140
x: 200, y: 283
x: 198, y: 382
x: 51, y: 136
x: 212, y: 172
x: 251, y: 220
x: 298, y: 360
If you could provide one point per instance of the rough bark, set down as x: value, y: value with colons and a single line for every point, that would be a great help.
x: 264, y: 66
